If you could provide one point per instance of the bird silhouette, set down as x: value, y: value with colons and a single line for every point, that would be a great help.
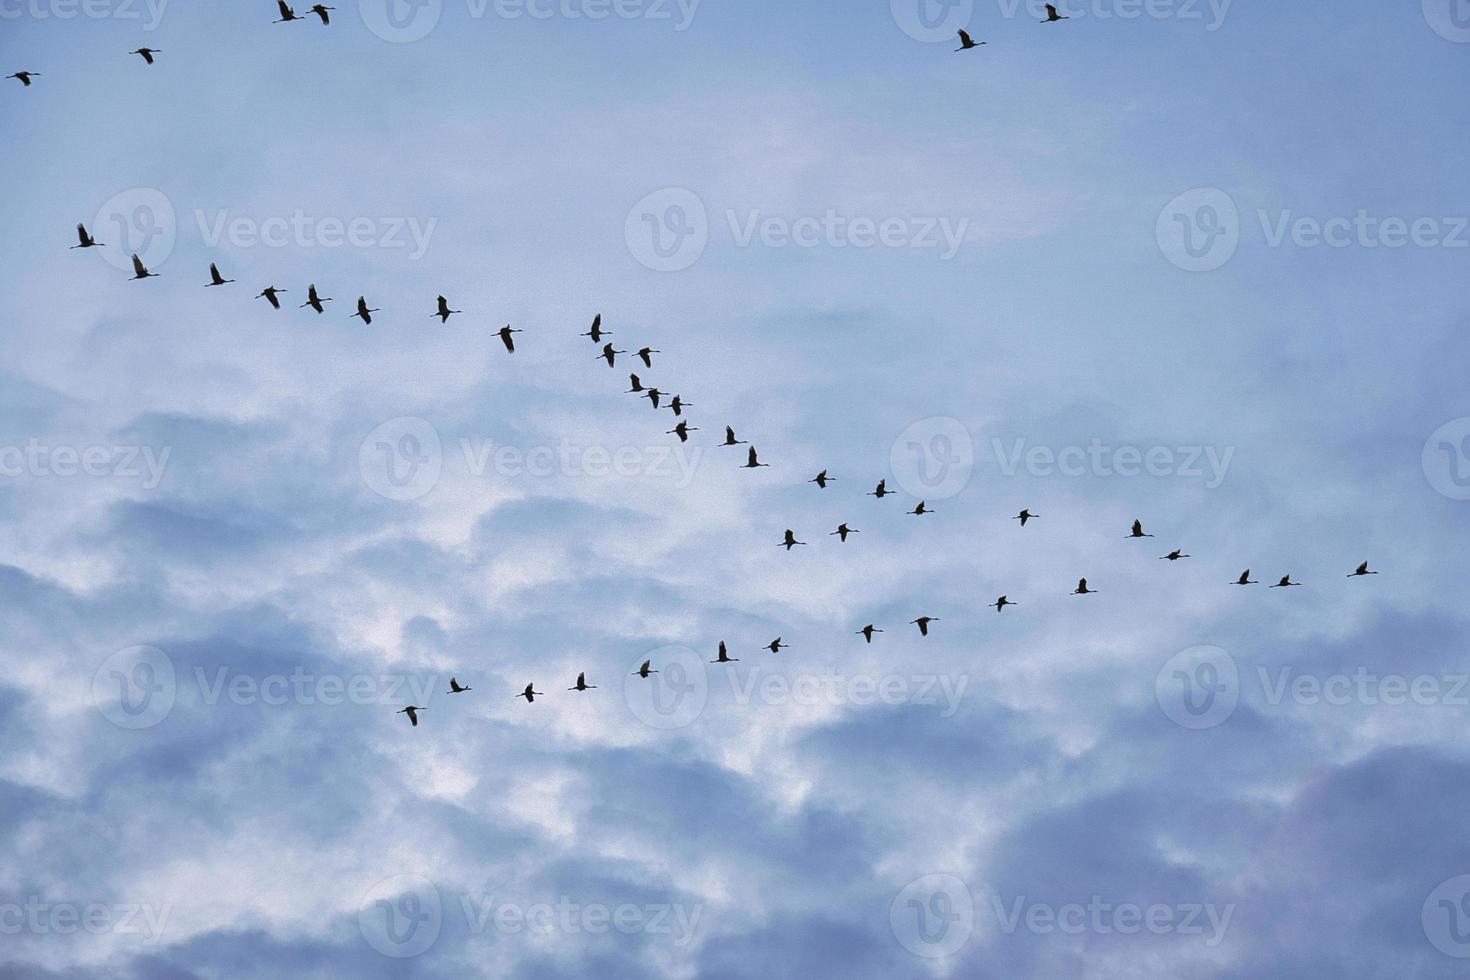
x: 724, y: 657
x: 730, y: 439
x: 529, y: 694
x: 637, y: 384
x: 1361, y: 571
x: 1024, y: 516
x: 678, y: 405
x: 147, y: 53
x: 505, y: 337
x: 776, y: 646
x: 843, y: 531
x: 321, y: 11
x: 967, y: 42
x: 1138, y: 531
x: 363, y: 313
x: 444, y: 312
x: 752, y: 461
x: 85, y: 240
x: 456, y: 688
x: 140, y: 271
x: 821, y: 480
x: 682, y: 430
x: 1052, y: 16
x: 920, y: 510
x: 1245, y: 579
x: 867, y: 632
x: 287, y: 14
x: 654, y: 396
x: 609, y: 355
x: 1082, y: 588
x: 881, y: 490
x: 646, y: 355
x: 582, y: 684
x: 270, y: 293
x: 1285, y: 583
x: 313, y: 300
x: 645, y: 670
x: 24, y: 77
x: 215, y: 279
x: 789, y: 541
x: 923, y: 624
x: 413, y: 713
x: 597, y: 333
x: 1002, y: 602
x: 1174, y: 556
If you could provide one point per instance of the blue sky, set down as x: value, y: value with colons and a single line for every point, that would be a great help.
x: 1195, y: 264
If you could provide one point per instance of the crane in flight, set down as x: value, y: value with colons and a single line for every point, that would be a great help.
x: 880, y: 491
x: 505, y: 337
x: 1361, y: 571
x: 724, y: 657
x: 752, y: 461
x: 609, y: 355
x: 413, y: 713
x: 321, y: 11
x: 789, y: 541
x: 1245, y: 579
x: 920, y: 510
x: 444, y: 312
x: 646, y: 355
x: 85, y: 239
x: 1024, y: 516
x: 923, y: 624
x: 637, y: 384
x: 582, y: 684
x: 1285, y: 583
x: 363, y: 312
x: 867, y: 632
x: 1002, y: 602
x: 455, y: 687
x: 1082, y: 588
x: 682, y: 430
x: 776, y: 646
x: 678, y: 405
x: 140, y: 271
x: 645, y: 670
x: 1052, y: 16
x: 529, y: 694
x: 24, y: 77
x: 968, y: 43
x: 313, y: 300
x: 597, y: 333
x: 269, y: 294
x: 215, y: 279
x: 730, y: 439
x: 843, y: 531
x: 1138, y: 530
x: 287, y: 14
x: 821, y: 480
x: 147, y: 53
x: 1174, y: 556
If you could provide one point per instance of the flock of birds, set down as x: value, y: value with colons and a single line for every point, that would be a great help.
x: 659, y: 399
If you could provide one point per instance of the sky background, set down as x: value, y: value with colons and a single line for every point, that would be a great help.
x: 234, y: 541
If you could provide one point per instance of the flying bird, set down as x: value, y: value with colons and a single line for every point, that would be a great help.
x: 730, y: 439
x: 843, y: 531
x: 609, y: 355
x: 821, y: 480
x: 1174, y: 556
x: 920, y: 510
x: 1285, y: 583
x: 867, y: 632
x: 653, y: 395
x: 444, y: 312
x: 1002, y: 602
x: 597, y: 333
x: 1082, y: 588
x: 789, y: 541
x: 923, y: 624
x: 881, y: 490
x: 505, y: 337
x: 637, y: 384
x: 413, y: 713
x: 967, y: 42
x: 147, y: 53
x: 215, y: 279
x: 1361, y: 571
x: 287, y: 14
x: 679, y: 404
x: 682, y: 430
x: 25, y: 77
x: 1052, y: 16
x: 140, y: 271
x: 455, y: 687
x: 321, y: 11
x: 582, y: 684
x: 270, y: 293
x: 529, y: 694
x: 1138, y: 531
x: 313, y: 300
x: 776, y: 646
x: 363, y: 313
x: 751, y: 461
x: 645, y: 670
x: 1024, y: 516
x: 725, y: 657
x: 85, y: 239
x: 646, y: 355
x: 1245, y: 579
